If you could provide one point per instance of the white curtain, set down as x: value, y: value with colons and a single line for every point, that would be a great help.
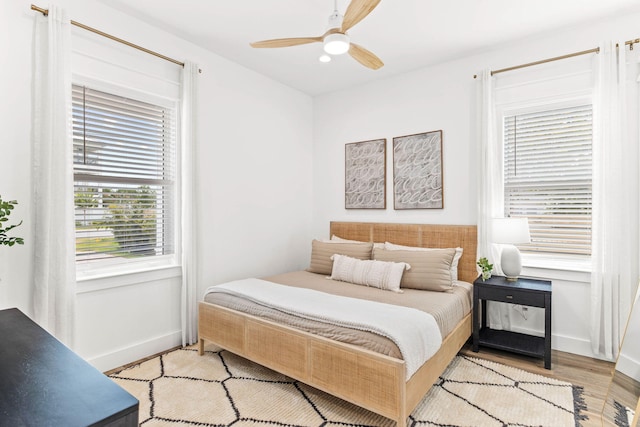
x: 54, y: 238
x: 188, y: 203
x: 615, y: 205
x: 489, y: 188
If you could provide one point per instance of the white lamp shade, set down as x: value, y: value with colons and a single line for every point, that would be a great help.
x: 336, y: 44
x: 511, y: 230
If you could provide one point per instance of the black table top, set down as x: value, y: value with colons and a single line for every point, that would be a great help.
x: 44, y: 383
x: 522, y: 283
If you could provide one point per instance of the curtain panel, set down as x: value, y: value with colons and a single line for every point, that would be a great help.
x: 489, y: 190
x: 54, y: 237
x: 189, y: 215
x: 615, y: 253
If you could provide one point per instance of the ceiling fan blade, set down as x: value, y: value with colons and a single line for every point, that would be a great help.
x: 356, y: 12
x: 365, y: 57
x: 286, y: 42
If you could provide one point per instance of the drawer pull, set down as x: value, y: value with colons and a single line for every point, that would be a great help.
x: 509, y: 296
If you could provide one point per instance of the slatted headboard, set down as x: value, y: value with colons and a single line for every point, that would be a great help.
x: 421, y: 235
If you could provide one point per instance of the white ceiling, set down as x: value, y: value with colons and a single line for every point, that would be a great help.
x: 405, y: 34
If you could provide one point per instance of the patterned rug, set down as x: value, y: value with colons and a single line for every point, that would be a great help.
x: 222, y: 389
x: 624, y: 415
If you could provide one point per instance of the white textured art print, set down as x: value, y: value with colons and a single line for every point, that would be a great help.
x: 417, y: 171
x: 365, y: 175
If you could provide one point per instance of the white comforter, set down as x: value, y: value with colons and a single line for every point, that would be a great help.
x: 416, y: 333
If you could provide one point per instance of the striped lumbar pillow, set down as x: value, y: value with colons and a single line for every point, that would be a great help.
x: 379, y: 274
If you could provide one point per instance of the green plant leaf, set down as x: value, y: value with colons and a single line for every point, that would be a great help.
x: 5, y: 211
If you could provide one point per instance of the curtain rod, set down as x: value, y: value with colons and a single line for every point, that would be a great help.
x: 45, y: 12
x: 630, y: 43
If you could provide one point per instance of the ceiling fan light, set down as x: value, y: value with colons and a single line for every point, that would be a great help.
x: 324, y: 58
x: 336, y: 44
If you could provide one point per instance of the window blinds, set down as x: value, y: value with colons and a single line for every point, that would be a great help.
x: 547, y: 177
x: 124, y: 177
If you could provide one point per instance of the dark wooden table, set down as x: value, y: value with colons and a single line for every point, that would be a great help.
x: 529, y: 292
x: 44, y: 383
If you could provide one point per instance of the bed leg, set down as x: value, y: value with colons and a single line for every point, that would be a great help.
x: 402, y: 422
x: 200, y: 347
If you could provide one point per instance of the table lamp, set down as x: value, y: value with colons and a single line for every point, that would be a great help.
x: 509, y: 232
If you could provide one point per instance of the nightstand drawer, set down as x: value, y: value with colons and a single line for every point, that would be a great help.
x: 514, y: 296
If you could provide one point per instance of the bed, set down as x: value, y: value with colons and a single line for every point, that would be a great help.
x: 364, y: 377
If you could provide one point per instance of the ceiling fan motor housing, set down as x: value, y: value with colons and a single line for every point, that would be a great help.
x: 336, y: 44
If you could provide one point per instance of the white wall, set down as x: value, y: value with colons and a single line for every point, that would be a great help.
x: 427, y: 100
x: 443, y: 97
x: 254, y: 170
x: 271, y: 173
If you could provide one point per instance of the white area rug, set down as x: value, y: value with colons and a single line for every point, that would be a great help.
x: 222, y: 389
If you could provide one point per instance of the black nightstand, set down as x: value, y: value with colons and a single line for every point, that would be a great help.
x: 529, y: 292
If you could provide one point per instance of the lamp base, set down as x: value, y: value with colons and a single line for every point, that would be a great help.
x: 511, y: 262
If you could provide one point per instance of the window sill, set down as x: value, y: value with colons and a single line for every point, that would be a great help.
x: 559, y: 268
x: 582, y: 265
x: 114, y: 280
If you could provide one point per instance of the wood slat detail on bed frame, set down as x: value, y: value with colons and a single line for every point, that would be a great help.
x: 420, y: 235
x: 365, y: 378
x: 343, y: 372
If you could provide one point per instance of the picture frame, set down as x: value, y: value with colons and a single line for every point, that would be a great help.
x: 417, y: 171
x: 365, y: 166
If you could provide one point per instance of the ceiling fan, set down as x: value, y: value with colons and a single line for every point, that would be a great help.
x: 336, y: 41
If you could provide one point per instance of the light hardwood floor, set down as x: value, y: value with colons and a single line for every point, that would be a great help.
x: 592, y: 374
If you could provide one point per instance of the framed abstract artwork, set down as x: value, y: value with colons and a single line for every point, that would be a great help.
x: 365, y: 170
x: 417, y: 171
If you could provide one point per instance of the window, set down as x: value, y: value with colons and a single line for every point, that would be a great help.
x: 124, y: 178
x: 547, y: 177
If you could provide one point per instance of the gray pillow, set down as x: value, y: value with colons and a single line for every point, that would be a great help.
x: 321, y: 253
x: 430, y: 270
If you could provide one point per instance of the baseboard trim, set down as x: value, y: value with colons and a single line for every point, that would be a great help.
x: 581, y: 347
x: 123, y: 356
x: 628, y: 366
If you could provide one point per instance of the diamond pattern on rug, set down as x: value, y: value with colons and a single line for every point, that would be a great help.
x: 221, y: 389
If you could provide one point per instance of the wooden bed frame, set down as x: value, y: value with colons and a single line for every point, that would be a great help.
x: 365, y: 378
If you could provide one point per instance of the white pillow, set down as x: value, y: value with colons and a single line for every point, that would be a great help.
x: 379, y: 274
x: 335, y: 238
x: 454, y: 265
x: 340, y: 239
